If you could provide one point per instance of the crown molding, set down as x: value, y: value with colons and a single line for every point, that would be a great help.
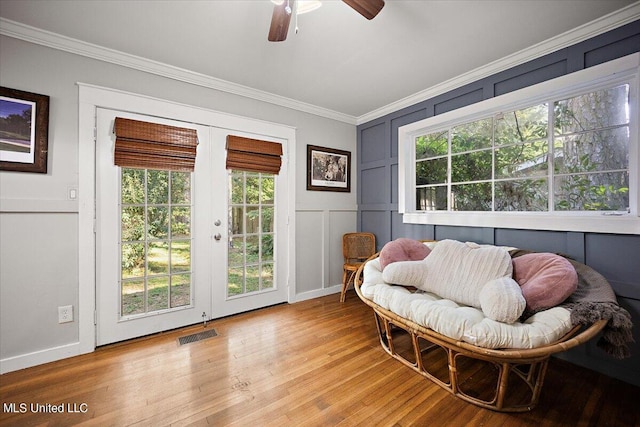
x: 38, y: 36
x: 591, y: 29
x: 56, y: 41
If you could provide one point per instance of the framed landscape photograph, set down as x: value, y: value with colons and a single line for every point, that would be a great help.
x: 24, y: 126
x: 328, y: 169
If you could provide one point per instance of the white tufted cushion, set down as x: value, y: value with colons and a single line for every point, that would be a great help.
x: 462, y: 322
x: 502, y: 300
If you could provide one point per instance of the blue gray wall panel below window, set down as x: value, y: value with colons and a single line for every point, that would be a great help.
x: 617, y: 257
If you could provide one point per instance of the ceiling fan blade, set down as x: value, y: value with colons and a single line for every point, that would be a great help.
x: 367, y: 8
x: 280, y: 20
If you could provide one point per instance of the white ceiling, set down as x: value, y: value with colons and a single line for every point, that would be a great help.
x: 338, y: 61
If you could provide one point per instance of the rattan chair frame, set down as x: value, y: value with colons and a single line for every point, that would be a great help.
x: 357, y: 247
x: 520, y: 372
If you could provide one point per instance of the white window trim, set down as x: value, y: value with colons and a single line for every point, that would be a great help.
x: 626, y: 69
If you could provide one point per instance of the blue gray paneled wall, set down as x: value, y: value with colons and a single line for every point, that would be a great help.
x: 617, y: 257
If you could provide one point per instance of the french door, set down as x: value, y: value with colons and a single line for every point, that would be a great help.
x: 177, y: 248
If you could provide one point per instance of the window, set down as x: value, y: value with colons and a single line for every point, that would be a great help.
x: 565, y: 149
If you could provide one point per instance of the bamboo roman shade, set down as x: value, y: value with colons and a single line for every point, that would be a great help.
x: 147, y: 145
x: 253, y: 155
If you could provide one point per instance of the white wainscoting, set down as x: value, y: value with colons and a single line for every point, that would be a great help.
x: 319, y: 250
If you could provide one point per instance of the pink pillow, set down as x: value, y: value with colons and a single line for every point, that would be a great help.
x: 545, y: 279
x: 402, y: 249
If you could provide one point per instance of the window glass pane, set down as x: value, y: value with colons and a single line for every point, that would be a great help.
x: 432, y: 145
x: 592, y: 151
x: 180, y: 290
x: 133, y: 260
x: 598, y: 191
x: 431, y: 171
x: 158, y: 258
x: 431, y: 198
x: 132, y: 223
x: 132, y: 186
x: 132, y: 297
x: 522, y: 125
x: 181, y: 188
x: 522, y: 195
x: 595, y: 110
x: 529, y: 159
x: 180, y: 256
x: 471, y: 197
x: 157, y: 293
x: 181, y: 222
x: 157, y: 223
x: 474, y: 166
x: 157, y: 187
x: 472, y: 136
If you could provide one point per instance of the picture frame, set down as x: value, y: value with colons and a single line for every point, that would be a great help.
x: 24, y: 131
x: 328, y: 169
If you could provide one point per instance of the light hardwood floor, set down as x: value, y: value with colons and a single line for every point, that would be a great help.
x: 314, y: 363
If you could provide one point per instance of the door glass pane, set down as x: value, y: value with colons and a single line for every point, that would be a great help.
x: 133, y: 297
x: 267, y: 275
x: 157, y: 293
x: 180, y: 290
x: 155, y: 238
x: 251, y: 232
x: 158, y: 257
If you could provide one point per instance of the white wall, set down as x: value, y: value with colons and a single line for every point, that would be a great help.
x: 39, y: 223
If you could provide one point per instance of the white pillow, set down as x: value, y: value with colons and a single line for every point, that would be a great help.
x: 502, y: 300
x: 406, y: 273
x: 458, y: 271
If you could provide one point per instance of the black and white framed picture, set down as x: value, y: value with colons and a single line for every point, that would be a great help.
x: 328, y: 169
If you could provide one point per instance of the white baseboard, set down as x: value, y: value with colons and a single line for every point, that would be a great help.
x: 317, y: 293
x: 23, y: 361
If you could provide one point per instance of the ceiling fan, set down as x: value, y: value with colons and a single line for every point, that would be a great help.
x: 282, y: 15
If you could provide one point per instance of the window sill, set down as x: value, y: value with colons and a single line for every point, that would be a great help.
x: 623, y: 224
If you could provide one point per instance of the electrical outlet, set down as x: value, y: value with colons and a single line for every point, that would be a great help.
x: 65, y: 314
